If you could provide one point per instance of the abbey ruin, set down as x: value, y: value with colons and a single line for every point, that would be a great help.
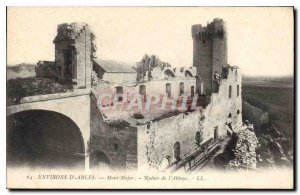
x: 149, y: 115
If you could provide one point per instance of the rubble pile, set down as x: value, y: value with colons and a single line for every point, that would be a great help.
x: 245, y: 150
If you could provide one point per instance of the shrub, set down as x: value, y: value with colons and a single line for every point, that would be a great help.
x: 138, y: 115
x: 119, y: 124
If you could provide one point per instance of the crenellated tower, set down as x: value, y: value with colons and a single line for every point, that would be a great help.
x: 209, y: 52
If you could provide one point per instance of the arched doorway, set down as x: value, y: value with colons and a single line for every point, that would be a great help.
x: 40, y: 138
x: 99, y: 160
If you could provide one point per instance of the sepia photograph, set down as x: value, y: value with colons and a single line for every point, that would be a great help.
x: 150, y: 98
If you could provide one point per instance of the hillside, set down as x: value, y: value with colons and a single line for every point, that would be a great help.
x: 20, y: 71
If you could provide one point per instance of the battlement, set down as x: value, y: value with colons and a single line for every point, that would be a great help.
x: 215, y: 29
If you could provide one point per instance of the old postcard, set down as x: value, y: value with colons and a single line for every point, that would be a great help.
x: 150, y: 98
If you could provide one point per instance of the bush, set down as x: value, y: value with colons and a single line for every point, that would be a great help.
x: 167, y: 115
x: 138, y: 115
x: 119, y: 124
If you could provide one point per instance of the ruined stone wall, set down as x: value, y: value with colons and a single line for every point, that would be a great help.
x: 45, y: 69
x: 146, y: 66
x: 118, y: 142
x: 222, y: 106
x: 255, y: 115
x: 147, y: 145
x: 159, y: 87
x: 157, y: 139
x: 245, y: 150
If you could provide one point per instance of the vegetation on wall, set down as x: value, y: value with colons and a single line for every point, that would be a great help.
x: 24, y: 87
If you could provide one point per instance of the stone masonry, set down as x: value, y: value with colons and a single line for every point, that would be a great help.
x: 209, y: 51
x: 74, y: 51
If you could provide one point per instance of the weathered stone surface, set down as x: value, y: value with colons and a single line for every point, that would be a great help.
x: 245, y: 150
x: 224, y: 109
x: 274, y: 132
x: 74, y: 51
x: 210, y: 52
x: 152, y: 68
x: 118, y: 142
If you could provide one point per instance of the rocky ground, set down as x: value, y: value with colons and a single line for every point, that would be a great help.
x: 244, y: 149
x: 238, y: 151
x: 274, y: 149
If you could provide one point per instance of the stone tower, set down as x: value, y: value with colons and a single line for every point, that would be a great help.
x: 74, y: 52
x: 209, y: 52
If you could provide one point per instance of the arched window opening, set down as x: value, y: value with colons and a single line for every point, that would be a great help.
x: 169, y: 73
x: 181, y: 88
x: 142, y: 91
x: 168, y: 89
x: 188, y: 73
x: 119, y: 93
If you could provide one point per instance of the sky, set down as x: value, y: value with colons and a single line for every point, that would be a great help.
x: 260, y: 40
